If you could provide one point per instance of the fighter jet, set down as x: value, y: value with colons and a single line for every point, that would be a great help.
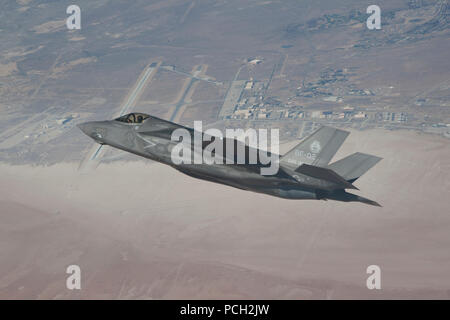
x: 303, y: 173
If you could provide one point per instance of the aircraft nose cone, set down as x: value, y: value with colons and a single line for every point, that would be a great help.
x: 86, y: 127
x: 95, y: 130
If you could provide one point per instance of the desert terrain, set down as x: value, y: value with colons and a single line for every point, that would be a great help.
x: 139, y: 229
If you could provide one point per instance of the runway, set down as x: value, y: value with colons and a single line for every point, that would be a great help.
x: 129, y: 102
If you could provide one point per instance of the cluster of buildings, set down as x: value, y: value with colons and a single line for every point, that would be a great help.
x: 258, y: 108
x: 53, y: 125
x: 393, y: 116
x: 246, y: 100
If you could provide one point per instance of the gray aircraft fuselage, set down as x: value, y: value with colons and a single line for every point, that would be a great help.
x: 151, y: 138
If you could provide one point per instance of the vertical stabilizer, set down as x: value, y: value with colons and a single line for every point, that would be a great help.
x: 317, y: 149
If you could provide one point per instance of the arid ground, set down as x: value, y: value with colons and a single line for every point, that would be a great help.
x: 139, y: 229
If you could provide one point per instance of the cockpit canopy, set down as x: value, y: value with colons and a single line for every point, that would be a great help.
x: 134, y: 117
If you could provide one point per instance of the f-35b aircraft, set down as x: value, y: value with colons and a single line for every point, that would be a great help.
x: 303, y: 173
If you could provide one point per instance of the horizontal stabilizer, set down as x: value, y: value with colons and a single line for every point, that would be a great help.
x: 325, y: 174
x: 354, y: 166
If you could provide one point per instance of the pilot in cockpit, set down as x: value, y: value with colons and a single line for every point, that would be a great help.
x: 133, y: 118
